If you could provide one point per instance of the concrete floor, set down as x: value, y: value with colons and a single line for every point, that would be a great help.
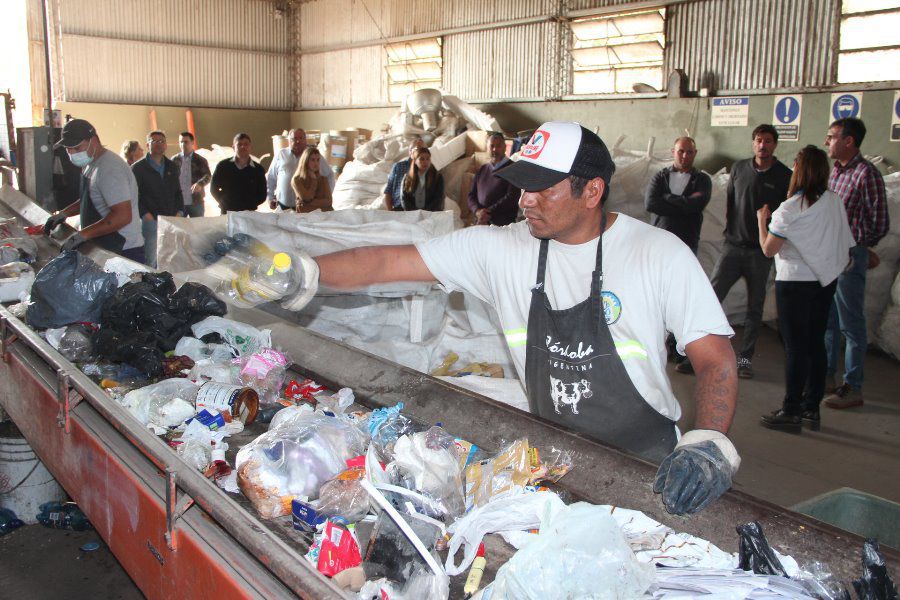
x: 858, y: 448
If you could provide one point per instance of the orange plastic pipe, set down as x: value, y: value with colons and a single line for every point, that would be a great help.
x: 189, y: 115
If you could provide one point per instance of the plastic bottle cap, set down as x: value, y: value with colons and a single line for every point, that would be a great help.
x: 281, y: 262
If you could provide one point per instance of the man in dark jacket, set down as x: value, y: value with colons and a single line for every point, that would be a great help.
x: 239, y: 183
x: 755, y: 181
x: 159, y: 193
x: 194, y: 175
x: 494, y: 201
x: 676, y: 199
x: 678, y: 195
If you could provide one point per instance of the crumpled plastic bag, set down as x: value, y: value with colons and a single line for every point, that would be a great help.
x: 515, y: 513
x: 14, y: 236
x: 386, y: 425
x: 197, y: 350
x: 344, y: 496
x: 429, y: 459
x: 123, y: 269
x: 295, y: 458
x: 245, y: 339
x: 71, y: 288
x: 264, y: 371
x: 754, y: 552
x: 77, y: 343
x: 590, y: 559
x: 875, y: 583
x: 151, y: 403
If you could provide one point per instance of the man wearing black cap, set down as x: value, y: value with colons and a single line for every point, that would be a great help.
x: 585, y: 299
x: 108, y: 202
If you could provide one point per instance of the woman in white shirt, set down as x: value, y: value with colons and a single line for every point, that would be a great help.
x: 810, y: 239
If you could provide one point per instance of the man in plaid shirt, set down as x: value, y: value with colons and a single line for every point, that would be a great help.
x: 861, y: 187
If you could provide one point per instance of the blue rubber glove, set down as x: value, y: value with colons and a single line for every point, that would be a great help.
x: 698, y: 471
x: 73, y: 242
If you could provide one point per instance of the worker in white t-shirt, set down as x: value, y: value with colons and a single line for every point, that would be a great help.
x: 585, y: 321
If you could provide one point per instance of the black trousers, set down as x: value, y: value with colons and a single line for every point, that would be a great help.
x: 751, y: 264
x: 803, y: 308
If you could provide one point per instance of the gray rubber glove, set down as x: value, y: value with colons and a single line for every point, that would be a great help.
x: 53, y: 222
x: 698, y: 471
x: 73, y: 242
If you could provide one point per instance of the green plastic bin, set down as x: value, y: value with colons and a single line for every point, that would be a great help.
x: 858, y: 512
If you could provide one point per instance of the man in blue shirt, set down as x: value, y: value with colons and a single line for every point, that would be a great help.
x: 393, y: 191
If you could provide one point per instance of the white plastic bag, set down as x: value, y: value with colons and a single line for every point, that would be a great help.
x: 245, y: 339
x: 580, y: 552
x: 515, y: 513
x: 429, y: 459
x: 294, y: 458
x: 148, y: 401
x: 123, y: 269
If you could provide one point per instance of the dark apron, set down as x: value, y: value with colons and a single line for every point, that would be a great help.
x: 114, y: 242
x: 575, y: 377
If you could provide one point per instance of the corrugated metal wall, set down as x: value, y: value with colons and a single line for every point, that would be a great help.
x: 226, y: 53
x: 752, y: 44
x: 513, y: 62
x: 372, y: 20
x: 720, y: 44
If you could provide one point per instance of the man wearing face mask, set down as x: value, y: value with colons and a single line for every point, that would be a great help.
x: 108, y: 202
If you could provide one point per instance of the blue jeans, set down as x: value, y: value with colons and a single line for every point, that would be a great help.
x: 195, y: 209
x: 848, y: 317
x: 148, y: 228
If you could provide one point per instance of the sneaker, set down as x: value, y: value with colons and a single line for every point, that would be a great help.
x: 745, y: 368
x: 811, y: 419
x: 844, y: 397
x: 685, y: 368
x: 778, y: 419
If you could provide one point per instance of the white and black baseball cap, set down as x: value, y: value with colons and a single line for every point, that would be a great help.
x: 558, y: 150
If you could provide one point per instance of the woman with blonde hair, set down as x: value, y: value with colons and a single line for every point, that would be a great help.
x: 312, y: 190
x: 810, y: 238
x: 132, y: 151
x: 423, y: 186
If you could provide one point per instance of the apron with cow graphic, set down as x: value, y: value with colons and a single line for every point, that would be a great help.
x: 575, y: 377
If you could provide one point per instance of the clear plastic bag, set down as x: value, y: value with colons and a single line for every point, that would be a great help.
x: 76, y: 343
x: 504, y: 474
x: 344, y: 496
x: 386, y: 425
x: 590, y: 559
x: 245, y: 339
x: 429, y: 461
x: 295, y: 459
x: 819, y: 581
x: 145, y: 403
x: 264, y: 371
x: 198, y: 350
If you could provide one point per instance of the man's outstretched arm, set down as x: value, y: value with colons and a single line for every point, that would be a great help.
x: 370, y: 265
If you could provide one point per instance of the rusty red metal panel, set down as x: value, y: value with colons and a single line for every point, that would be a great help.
x: 127, y: 511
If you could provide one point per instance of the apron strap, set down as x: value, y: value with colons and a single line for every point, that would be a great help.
x: 597, y: 279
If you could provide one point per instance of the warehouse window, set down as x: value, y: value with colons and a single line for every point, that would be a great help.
x: 412, y: 66
x: 869, y: 47
x: 619, y: 53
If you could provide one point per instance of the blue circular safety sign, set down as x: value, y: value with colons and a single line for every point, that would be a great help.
x: 897, y: 108
x: 845, y: 106
x: 787, y: 110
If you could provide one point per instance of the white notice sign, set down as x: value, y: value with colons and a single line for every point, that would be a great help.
x: 730, y: 112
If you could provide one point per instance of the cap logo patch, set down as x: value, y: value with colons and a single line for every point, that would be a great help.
x: 536, y: 145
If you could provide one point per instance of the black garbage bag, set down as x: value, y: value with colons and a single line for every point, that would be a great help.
x: 875, y: 583
x: 137, y: 349
x: 755, y: 554
x: 71, y: 288
x: 158, y: 315
x: 197, y: 301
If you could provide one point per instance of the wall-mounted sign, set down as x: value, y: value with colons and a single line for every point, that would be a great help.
x: 730, y: 111
x: 847, y: 104
x: 786, y: 117
x: 895, y: 118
